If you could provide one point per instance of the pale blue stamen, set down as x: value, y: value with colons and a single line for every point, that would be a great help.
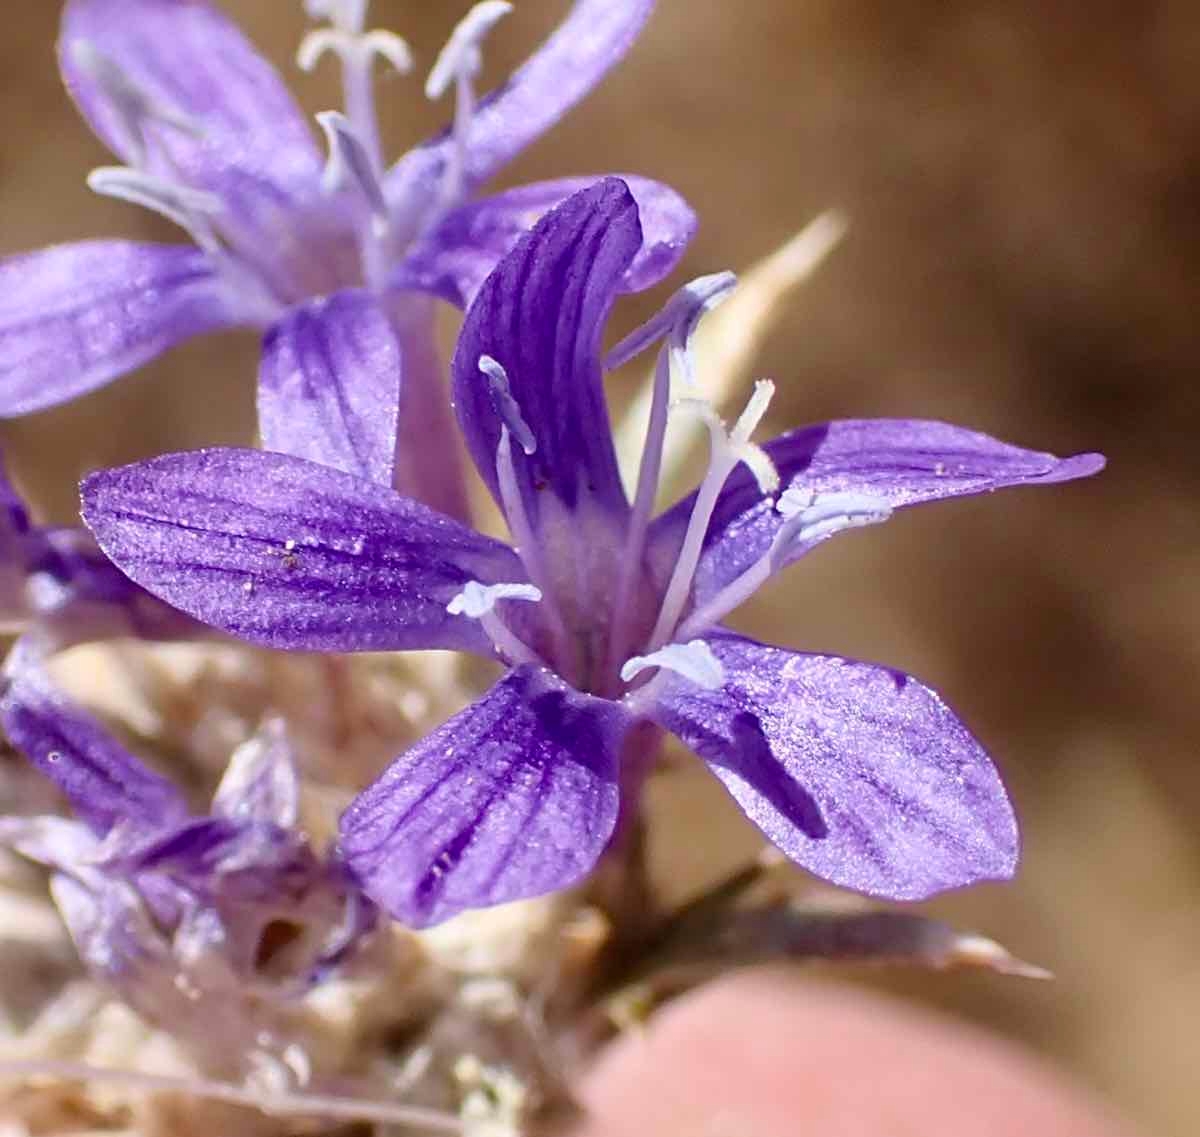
x: 186, y: 207
x: 810, y: 517
x: 506, y: 406
x: 815, y: 516
x: 462, y: 56
x: 460, y: 63
x: 357, y: 51
x: 694, y: 661
x: 349, y: 165
x: 478, y: 602
x: 676, y: 323
x: 728, y: 449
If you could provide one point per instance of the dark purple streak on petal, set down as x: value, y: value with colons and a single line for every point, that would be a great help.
x: 292, y: 555
x: 104, y: 783
x: 514, y: 797
x: 859, y: 773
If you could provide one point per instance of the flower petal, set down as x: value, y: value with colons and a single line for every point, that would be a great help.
x: 193, y: 62
x: 119, y: 943
x: 593, y: 39
x: 55, y: 842
x: 75, y: 317
x: 104, y: 783
x: 857, y: 772
x: 516, y: 796
x: 901, y: 462
x: 455, y: 257
x: 541, y: 315
x: 261, y: 782
x: 248, y: 862
x: 293, y: 555
x: 329, y: 386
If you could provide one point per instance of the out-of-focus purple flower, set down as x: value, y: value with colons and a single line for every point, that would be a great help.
x: 185, y: 917
x: 58, y: 589
x: 607, y: 617
x: 335, y: 260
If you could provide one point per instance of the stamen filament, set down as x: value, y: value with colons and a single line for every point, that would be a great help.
x: 350, y: 164
x: 727, y: 451
x: 525, y: 540
x: 507, y: 643
x: 357, y: 51
x: 730, y: 598
x: 478, y: 602
x: 676, y: 323
x: 643, y: 508
x: 811, y: 517
x: 358, y: 95
x: 680, y: 585
x: 460, y: 63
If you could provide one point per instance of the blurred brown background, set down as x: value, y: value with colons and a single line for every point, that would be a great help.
x: 1023, y: 179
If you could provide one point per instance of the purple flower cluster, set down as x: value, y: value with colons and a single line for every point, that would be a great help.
x: 606, y: 617
x: 191, y: 919
x: 347, y: 531
x: 337, y: 256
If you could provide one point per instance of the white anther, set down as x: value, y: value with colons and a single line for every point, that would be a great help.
x: 477, y: 600
x: 506, y: 406
x: 354, y: 50
x: 177, y: 203
x: 462, y: 58
x: 813, y: 516
x: 134, y: 106
x: 350, y: 165
x: 676, y: 323
x: 315, y: 44
x: 389, y: 46
x: 693, y: 660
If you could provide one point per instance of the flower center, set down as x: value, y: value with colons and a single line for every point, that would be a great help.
x: 613, y: 637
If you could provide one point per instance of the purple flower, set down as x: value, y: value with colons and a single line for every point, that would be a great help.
x: 58, y: 589
x: 608, y: 619
x: 183, y: 916
x: 334, y: 261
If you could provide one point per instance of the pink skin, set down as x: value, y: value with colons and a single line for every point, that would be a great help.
x: 768, y: 1055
